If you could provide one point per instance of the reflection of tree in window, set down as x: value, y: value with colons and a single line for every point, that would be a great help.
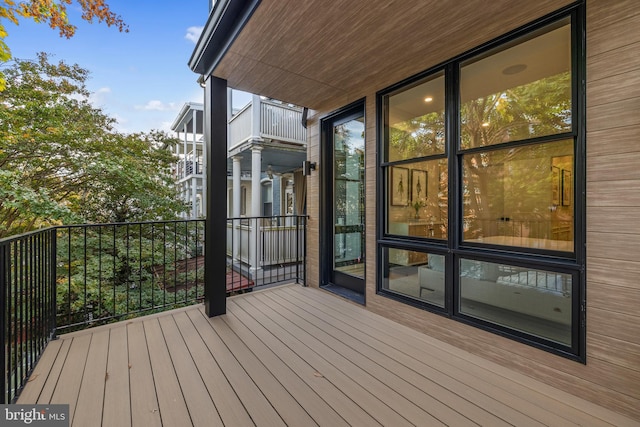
x: 539, y: 108
x: 508, y: 191
x: 513, y: 183
x: 417, y: 137
x: 348, y: 169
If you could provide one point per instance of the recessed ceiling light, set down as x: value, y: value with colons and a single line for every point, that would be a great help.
x: 514, y: 69
x: 428, y: 99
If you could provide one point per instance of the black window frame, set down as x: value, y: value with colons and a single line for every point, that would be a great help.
x: 454, y: 247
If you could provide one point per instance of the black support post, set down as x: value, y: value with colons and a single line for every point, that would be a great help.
x: 215, y: 133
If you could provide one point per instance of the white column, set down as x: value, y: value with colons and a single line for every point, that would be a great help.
x: 184, y: 152
x: 256, y: 171
x: 237, y: 171
x: 229, y: 114
x: 237, y: 194
x: 256, y: 166
x: 194, y: 201
x: 255, y: 117
x: 204, y: 173
x: 193, y: 142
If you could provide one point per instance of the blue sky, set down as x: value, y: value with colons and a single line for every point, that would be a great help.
x: 140, y: 78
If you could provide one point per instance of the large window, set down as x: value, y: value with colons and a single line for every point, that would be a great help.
x: 482, y: 208
x: 417, y: 181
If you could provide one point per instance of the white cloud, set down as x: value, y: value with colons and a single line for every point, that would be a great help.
x: 193, y: 34
x: 155, y: 105
x: 99, y: 97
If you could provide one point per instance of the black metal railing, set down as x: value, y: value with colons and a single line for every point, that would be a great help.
x: 107, y: 272
x: 66, y: 278
x: 265, y: 250
x: 27, y: 305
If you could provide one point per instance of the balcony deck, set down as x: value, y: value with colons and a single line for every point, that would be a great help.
x: 288, y: 356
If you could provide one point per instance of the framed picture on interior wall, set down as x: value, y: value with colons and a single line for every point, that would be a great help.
x: 418, y: 185
x: 566, y: 187
x: 555, y: 185
x: 399, y: 186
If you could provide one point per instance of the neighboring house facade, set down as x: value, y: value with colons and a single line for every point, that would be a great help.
x: 266, y: 147
x: 477, y: 168
x: 189, y: 168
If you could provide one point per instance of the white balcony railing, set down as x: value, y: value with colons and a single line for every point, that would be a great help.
x: 271, y: 120
x: 275, y: 244
x: 240, y: 127
x: 281, y: 122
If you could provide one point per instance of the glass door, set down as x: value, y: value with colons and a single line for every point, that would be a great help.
x: 345, y: 201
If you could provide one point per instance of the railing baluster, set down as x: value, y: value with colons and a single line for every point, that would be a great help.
x: 164, y: 263
x: 113, y: 275
x: 153, y: 275
x: 186, y: 259
x: 4, y: 322
x: 69, y: 276
x: 84, y: 233
x: 11, y: 295
x: 175, y: 260
x: 195, y: 244
x: 98, y: 309
x: 53, y: 280
x: 20, y: 358
x: 140, y: 266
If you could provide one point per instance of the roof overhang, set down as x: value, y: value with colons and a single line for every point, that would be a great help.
x: 185, y: 118
x: 323, y: 55
x: 225, y: 22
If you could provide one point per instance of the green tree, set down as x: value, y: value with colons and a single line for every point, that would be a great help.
x: 61, y: 161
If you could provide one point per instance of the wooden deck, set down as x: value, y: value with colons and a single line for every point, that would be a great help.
x: 288, y: 356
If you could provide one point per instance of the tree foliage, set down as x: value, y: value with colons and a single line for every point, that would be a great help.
x: 53, y: 13
x: 61, y: 160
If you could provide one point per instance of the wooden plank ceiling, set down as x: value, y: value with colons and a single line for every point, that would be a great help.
x: 316, y: 56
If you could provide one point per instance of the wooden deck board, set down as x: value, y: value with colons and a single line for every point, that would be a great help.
x: 358, y: 385
x: 288, y: 356
x: 173, y: 408
x: 44, y: 395
x: 144, y: 400
x: 441, y: 402
x: 201, y: 408
x: 230, y: 408
x: 302, y: 391
x: 472, y: 385
x: 88, y: 410
x: 255, y: 401
x: 68, y: 385
x: 41, y: 372
x: 328, y: 392
x: 281, y: 399
x: 465, y: 365
x: 117, y: 402
x: 350, y: 364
